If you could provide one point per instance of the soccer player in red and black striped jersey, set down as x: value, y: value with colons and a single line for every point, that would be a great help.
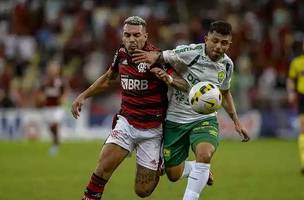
x: 138, y: 125
x: 52, y: 94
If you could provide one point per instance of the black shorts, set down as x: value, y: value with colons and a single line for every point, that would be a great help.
x: 301, y: 103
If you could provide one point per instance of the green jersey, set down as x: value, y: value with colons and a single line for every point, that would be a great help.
x: 194, y: 66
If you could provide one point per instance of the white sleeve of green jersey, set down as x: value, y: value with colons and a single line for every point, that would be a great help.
x: 182, y: 55
x: 229, y: 72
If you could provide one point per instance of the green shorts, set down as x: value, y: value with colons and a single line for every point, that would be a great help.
x: 178, y: 137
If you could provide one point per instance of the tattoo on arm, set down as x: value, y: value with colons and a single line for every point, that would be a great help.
x: 111, y: 76
x: 180, y: 83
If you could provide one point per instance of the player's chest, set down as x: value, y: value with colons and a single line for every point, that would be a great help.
x: 135, y: 76
x: 140, y: 70
x: 206, y: 71
x: 53, y: 83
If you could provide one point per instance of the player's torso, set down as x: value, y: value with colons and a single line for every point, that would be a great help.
x: 53, y: 91
x: 136, y: 78
x: 144, y: 96
x: 204, y: 69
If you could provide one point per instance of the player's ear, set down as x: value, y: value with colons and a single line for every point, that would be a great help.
x: 230, y: 39
x: 206, y: 38
x: 146, y: 35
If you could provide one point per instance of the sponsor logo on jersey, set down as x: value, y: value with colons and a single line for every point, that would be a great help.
x: 185, y: 49
x: 124, y: 62
x: 221, y: 76
x: 192, y: 79
x: 179, y: 96
x: 134, y: 84
x: 142, y: 67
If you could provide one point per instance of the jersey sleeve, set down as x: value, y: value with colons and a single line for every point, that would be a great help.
x: 115, y: 62
x: 229, y: 71
x: 182, y: 55
x: 293, y: 70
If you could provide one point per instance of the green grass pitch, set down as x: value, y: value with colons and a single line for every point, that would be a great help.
x: 258, y: 170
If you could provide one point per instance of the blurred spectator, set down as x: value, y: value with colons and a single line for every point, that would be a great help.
x: 52, y: 96
x: 5, y: 101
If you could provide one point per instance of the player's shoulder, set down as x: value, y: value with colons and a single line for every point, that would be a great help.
x: 120, y: 54
x: 227, y: 61
x: 190, y: 48
x: 150, y: 47
x: 189, y: 53
x: 121, y: 51
x: 299, y: 60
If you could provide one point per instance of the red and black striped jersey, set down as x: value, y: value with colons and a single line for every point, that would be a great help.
x: 144, y: 97
x: 53, y: 89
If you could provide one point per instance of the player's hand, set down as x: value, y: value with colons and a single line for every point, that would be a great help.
x: 242, y: 131
x: 140, y: 56
x: 162, y: 75
x: 76, y: 106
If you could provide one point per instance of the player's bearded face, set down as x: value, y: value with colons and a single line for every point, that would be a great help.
x: 217, y: 45
x: 134, y: 37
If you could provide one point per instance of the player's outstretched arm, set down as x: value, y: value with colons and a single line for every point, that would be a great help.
x: 228, y: 105
x: 173, y: 80
x: 100, y: 85
x: 178, y: 61
x: 150, y: 57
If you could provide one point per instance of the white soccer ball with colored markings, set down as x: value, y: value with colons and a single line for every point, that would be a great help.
x: 205, y: 97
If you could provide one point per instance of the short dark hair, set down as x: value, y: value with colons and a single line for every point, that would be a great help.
x: 220, y: 27
x: 135, y: 20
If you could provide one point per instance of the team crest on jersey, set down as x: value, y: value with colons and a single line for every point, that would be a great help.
x: 221, y: 76
x: 142, y: 67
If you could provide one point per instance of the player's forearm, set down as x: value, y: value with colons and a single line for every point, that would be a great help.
x: 179, y: 83
x: 100, y: 85
x: 160, y: 58
x: 228, y: 105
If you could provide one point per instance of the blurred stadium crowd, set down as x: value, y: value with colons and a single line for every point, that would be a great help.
x: 82, y: 35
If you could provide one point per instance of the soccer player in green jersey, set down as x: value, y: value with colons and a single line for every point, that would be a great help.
x: 184, y: 127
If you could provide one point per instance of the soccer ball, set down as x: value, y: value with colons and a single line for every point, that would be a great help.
x: 205, y: 97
